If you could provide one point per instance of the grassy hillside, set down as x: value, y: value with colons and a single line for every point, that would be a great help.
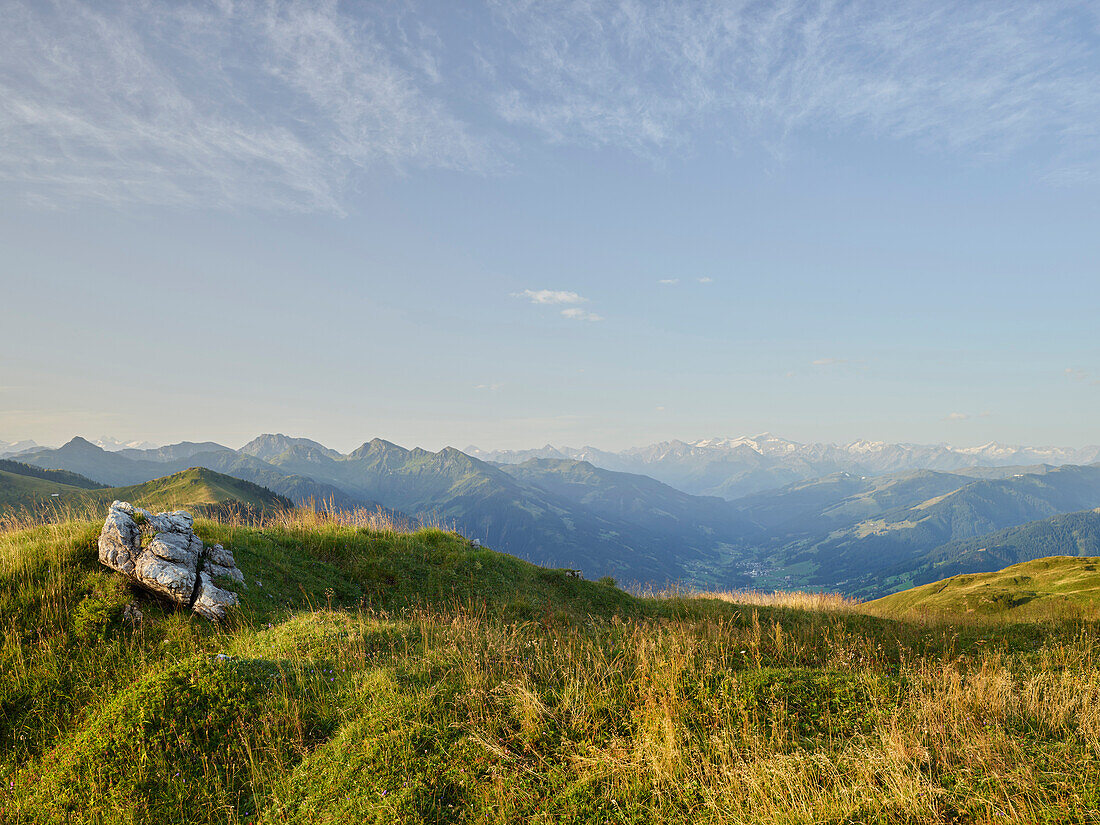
x: 17, y: 490
x: 1055, y: 586
x: 58, y: 476
x: 198, y: 489
x: 387, y: 677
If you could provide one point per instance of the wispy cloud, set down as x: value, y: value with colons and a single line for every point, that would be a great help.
x: 550, y: 296
x: 705, y: 280
x: 577, y: 314
x: 829, y: 362
x: 669, y: 281
x: 289, y: 104
x: 271, y: 104
x: 489, y: 387
x: 985, y: 78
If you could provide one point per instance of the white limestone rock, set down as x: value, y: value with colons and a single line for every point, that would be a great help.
x: 120, y: 539
x: 169, y: 565
x: 161, y: 552
x: 220, y: 562
x: 211, y: 601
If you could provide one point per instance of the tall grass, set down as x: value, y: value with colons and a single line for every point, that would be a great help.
x: 718, y: 708
x: 799, y: 600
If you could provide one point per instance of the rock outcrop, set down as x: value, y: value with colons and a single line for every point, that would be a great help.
x: 161, y: 552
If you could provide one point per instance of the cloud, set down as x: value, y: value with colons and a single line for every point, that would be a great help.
x: 830, y: 362
x: 489, y: 387
x: 1082, y: 375
x: 961, y: 416
x: 985, y: 79
x: 558, y: 297
x: 669, y: 281
x: 259, y: 104
x: 577, y: 314
x: 706, y: 280
x: 550, y: 296
x: 291, y: 104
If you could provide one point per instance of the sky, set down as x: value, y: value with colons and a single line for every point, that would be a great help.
x: 513, y: 223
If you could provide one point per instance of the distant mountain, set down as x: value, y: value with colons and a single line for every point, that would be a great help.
x: 172, y: 452
x: 1067, y: 534
x: 114, y: 445
x: 81, y: 456
x: 520, y: 456
x: 736, y: 467
x: 859, y: 557
x: 267, y: 447
x: 523, y: 511
x: 632, y: 498
x: 822, y: 506
x: 12, y: 448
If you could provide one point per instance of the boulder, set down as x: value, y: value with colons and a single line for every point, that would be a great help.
x: 220, y: 562
x: 161, y: 552
x: 210, y: 600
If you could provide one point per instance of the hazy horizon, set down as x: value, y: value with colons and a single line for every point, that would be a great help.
x: 347, y: 447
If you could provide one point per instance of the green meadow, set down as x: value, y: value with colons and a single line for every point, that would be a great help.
x: 381, y: 676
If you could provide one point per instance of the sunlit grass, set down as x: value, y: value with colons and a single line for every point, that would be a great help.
x: 385, y: 672
x: 798, y: 599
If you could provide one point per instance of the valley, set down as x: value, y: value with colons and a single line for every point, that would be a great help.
x: 864, y: 534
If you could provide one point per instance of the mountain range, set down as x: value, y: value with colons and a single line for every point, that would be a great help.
x: 520, y: 512
x: 864, y: 532
x: 736, y: 467
x: 11, y: 448
x: 889, y: 529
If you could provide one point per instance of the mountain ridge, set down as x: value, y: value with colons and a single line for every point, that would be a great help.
x: 735, y: 467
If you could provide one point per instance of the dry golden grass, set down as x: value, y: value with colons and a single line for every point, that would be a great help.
x: 309, y: 516
x: 797, y: 599
x: 689, y: 747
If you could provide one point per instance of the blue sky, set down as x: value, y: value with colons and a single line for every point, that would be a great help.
x: 585, y: 222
